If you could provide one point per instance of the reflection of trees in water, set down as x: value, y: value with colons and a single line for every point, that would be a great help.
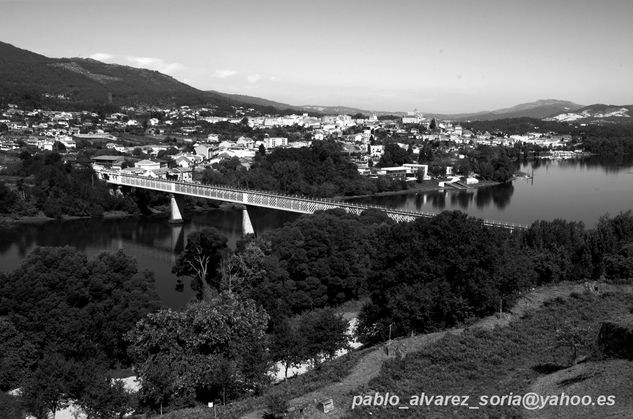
x: 610, y: 164
x: 77, y: 233
x: 462, y: 198
x: 151, y: 232
x: 536, y: 163
x: 437, y: 199
x: 499, y: 195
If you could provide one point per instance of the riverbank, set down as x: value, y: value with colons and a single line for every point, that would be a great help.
x: 158, y: 211
x: 426, y: 186
x: 41, y: 218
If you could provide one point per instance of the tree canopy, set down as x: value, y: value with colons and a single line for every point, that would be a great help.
x: 215, y: 349
x: 66, y: 315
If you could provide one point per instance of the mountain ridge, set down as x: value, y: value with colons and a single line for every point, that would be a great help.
x: 35, y: 80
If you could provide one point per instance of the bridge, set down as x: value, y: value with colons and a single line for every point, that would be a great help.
x: 264, y: 199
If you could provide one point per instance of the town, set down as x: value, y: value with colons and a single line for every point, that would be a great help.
x: 176, y: 143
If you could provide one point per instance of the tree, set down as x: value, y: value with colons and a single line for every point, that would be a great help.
x: 326, y: 258
x: 287, y: 345
x: 437, y: 170
x: 433, y: 125
x: 426, y: 154
x: 8, y: 199
x: 394, y: 155
x: 15, y: 357
x: 105, y: 399
x: 201, y: 259
x: 215, y: 349
x: 438, y: 272
x: 71, y: 314
x: 10, y: 407
x: 323, y: 333
x: 262, y: 150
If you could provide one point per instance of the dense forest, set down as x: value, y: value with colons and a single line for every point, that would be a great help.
x: 63, y: 319
x: 271, y: 301
x: 321, y: 170
x: 47, y: 184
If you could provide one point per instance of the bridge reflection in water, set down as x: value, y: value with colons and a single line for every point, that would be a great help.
x: 268, y: 200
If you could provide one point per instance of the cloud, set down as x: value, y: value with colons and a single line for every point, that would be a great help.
x: 101, y: 56
x: 273, y: 78
x: 253, y: 78
x: 157, y: 64
x: 222, y: 74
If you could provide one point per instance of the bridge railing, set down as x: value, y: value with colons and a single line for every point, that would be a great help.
x: 179, y: 187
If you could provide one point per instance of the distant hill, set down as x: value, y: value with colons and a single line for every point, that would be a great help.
x: 341, y: 110
x: 538, y: 109
x: 33, y: 80
x: 598, y: 113
x: 257, y: 101
x: 329, y: 110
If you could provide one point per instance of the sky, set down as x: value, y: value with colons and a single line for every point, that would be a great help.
x: 445, y: 56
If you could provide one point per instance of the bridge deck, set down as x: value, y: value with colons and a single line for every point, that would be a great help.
x: 276, y: 201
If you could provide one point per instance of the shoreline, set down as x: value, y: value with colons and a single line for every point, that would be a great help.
x: 8, y: 221
x: 427, y: 186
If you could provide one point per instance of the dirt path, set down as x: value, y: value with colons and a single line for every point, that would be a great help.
x: 369, y: 366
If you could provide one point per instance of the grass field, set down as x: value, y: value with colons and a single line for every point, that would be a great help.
x: 500, y: 361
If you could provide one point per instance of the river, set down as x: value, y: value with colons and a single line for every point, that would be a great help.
x: 575, y: 189
x: 579, y: 190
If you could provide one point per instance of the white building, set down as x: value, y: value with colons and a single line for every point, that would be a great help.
x: 147, y: 165
x: 376, y: 150
x: 272, y: 142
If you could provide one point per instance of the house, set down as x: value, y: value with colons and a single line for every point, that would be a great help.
x: 272, y: 142
x: 414, y: 169
x: 397, y: 172
x: 245, y: 142
x: 160, y: 173
x: 184, y: 162
x: 180, y: 174
x: 109, y: 162
x: 204, y: 150
x: 376, y: 150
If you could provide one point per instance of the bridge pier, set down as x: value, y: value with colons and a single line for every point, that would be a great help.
x: 175, y: 216
x: 247, y: 226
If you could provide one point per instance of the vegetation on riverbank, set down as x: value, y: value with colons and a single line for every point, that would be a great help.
x: 422, y: 276
x: 46, y: 186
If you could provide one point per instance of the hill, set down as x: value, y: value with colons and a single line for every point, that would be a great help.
x: 598, y: 113
x: 496, y: 355
x: 538, y: 109
x: 33, y: 80
x: 257, y: 101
